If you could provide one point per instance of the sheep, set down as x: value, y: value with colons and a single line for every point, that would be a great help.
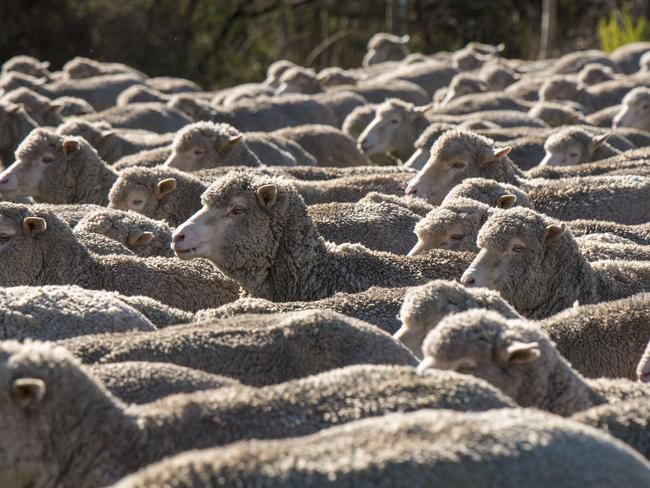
x: 458, y: 155
x: 171, y: 85
x: 57, y: 169
x: 28, y: 65
x: 498, y: 76
x: 384, y: 47
x: 72, y: 107
x: 604, y: 117
x: 415, y: 205
x: 379, y: 226
x: 573, y: 62
x: 536, y: 265
x: 40, y: 249
x: 489, y: 192
x: 145, y: 382
x: 423, y: 144
x: 479, y: 102
x: 112, y: 144
x: 278, y: 243
x: 469, y: 58
x: 526, y: 88
x: 594, y: 97
x: 628, y: 421
x: 635, y: 110
x: 328, y: 145
x: 395, y: 128
x: 594, y: 73
x: 428, y: 75
x: 507, y: 447
x: 146, y: 159
x: 358, y: 120
x: 333, y: 76
x: 102, y: 245
x: 80, y: 67
x: 275, y: 71
x: 556, y: 114
x: 425, y: 305
x: 521, y: 361
x: 41, y: 379
x: 574, y: 145
x: 206, y: 144
x: 628, y: 56
x: 15, y: 125
x: 299, y: 80
x: 145, y: 237
x: 377, y: 306
x: 377, y: 91
x: 643, y: 368
x: 151, y: 116
x: 60, y: 312
x: 39, y: 108
x: 140, y: 94
x: 463, y: 84
x: 262, y: 114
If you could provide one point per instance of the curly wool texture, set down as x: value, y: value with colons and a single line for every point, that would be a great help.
x: 59, y: 312
x: 126, y: 227
x: 145, y: 159
x: 15, y: 126
x: 79, y: 176
x: 508, y: 447
x: 416, y: 205
x: 486, y: 191
x: 279, y: 255
x: 141, y: 435
x: 545, y: 380
x: 145, y: 382
x: 152, y: 116
x: 102, y: 245
x: 377, y: 306
x: 56, y: 257
x: 358, y: 120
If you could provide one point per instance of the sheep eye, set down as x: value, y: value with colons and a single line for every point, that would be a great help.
x: 137, y: 203
x: 47, y: 160
x: 465, y: 368
x: 574, y: 155
x: 198, y: 152
x: 4, y: 238
x: 517, y: 248
x: 394, y: 121
x: 458, y: 165
x: 238, y: 210
x: 456, y: 237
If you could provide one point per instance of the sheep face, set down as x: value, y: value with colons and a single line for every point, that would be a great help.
x: 452, y: 160
x: 393, y: 122
x: 141, y: 195
x: 571, y: 147
x: 21, y: 235
x: 203, y: 145
x: 234, y: 226
x: 25, y: 459
x: 299, y: 80
x: 484, y: 344
x: 449, y: 228
x: 635, y: 111
x: 42, y: 159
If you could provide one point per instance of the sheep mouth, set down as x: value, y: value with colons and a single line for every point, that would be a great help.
x: 644, y: 377
x: 188, y: 252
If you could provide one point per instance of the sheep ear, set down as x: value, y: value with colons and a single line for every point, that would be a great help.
x: 507, y: 200
x: 27, y: 391
x: 70, y: 146
x: 54, y: 107
x: 404, y: 39
x: 44, y: 64
x: 165, y: 187
x: 598, y: 141
x: 266, y: 195
x: 139, y: 238
x: 34, y: 225
x: 234, y: 140
x: 499, y: 47
x: 106, y: 134
x: 15, y: 108
x: 520, y: 352
x: 498, y: 153
x: 423, y: 108
x: 553, y: 231
x: 581, y: 87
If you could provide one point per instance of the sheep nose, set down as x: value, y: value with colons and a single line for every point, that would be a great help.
x: 178, y: 237
x: 468, y: 279
x: 8, y: 182
x: 411, y: 190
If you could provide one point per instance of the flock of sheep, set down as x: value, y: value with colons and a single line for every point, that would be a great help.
x: 427, y: 271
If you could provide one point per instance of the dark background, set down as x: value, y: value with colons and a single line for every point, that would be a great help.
x: 224, y: 42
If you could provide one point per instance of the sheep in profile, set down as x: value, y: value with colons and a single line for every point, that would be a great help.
x: 358, y: 120
x: 42, y: 109
x: 144, y: 236
x: 384, y: 47
x: 507, y: 447
x: 80, y: 67
x: 537, y: 266
x: 628, y: 421
x: 28, y: 65
x: 280, y: 255
x: 57, y: 169
x: 38, y: 248
x: 275, y: 70
x: 395, y: 128
x: 635, y: 110
x: 424, y: 142
x: 206, y: 145
x: 574, y: 145
x: 112, y: 144
x: 556, y: 114
x: 643, y: 368
x: 426, y: 305
x: 463, y: 84
x: 145, y: 382
x: 520, y: 360
x: 72, y: 107
x: 43, y: 428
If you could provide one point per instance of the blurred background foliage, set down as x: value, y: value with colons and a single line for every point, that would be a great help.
x: 224, y: 42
